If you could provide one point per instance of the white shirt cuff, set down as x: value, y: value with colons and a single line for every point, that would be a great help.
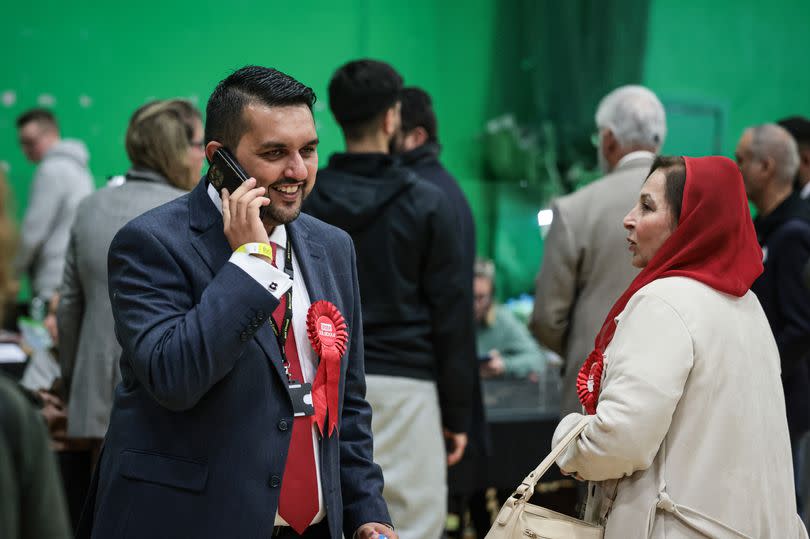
x: 270, y: 277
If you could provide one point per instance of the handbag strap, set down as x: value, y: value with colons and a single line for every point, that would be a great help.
x: 531, y: 480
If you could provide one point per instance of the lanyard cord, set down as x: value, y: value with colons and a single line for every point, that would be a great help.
x: 282, y: 333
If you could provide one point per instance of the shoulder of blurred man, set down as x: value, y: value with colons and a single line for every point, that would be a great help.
x: 602, y: 193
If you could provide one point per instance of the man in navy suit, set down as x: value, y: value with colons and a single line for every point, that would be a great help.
x: 211, y: 433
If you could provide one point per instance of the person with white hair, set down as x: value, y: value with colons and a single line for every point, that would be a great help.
x: 768, y: 158
x: 584, y: 266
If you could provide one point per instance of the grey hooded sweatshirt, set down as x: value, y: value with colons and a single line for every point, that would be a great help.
x: 61, y: 180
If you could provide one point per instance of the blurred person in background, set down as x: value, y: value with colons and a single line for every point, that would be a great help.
x: 768, y: 158
x: 506, y: 346
x: 418, y: 148
x: 584, y: 268
x: 32, y: 503
x: 164, y: 142
x: 8, y: 245
x: 414, y: 289
x: 61, y: 181
x: 799, y: 129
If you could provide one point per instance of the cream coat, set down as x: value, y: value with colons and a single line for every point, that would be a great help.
x: 690, y: 420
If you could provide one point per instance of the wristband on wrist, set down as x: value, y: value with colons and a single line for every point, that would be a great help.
x: 258, y: 249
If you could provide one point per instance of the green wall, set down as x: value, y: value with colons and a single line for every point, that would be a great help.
x: 746, y: 58
x: 719, y: 66
x: 120, y: 55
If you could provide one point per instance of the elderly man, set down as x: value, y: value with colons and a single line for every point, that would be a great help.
x: 769, y: 159
x: 585, y: 266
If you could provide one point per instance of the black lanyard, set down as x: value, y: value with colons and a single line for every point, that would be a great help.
x: 281, y: 335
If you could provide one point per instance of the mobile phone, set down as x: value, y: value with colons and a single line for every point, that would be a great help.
x: 225, y: 171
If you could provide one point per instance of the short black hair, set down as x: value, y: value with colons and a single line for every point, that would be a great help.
x: 42, y: 116
x: 798, y: 127
x: 674, y: 169
x: 224, y: 121
x: 360, y: 92
x: 417, y: 111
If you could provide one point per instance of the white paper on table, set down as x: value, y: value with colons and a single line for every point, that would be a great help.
x: 11, y: 353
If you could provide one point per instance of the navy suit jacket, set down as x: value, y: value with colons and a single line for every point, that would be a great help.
x: 202, y: 420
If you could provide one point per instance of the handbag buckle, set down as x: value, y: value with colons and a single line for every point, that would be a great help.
x: 525, y: 491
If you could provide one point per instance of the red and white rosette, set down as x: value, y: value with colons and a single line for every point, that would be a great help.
x: 589, y: 381
x: 326, y: 329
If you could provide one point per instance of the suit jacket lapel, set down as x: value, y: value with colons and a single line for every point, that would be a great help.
x: 209, y: 239
x: 310, y: 255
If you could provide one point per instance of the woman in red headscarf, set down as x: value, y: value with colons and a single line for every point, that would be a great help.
x: 687, y: 434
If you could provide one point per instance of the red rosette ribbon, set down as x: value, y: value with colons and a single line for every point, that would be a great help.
x: 326, y: 329
x: 589, y: 381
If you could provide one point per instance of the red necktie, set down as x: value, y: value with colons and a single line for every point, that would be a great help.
x: 298, y: 502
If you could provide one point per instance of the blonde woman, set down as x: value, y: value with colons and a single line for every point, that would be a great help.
x: 164, y: 142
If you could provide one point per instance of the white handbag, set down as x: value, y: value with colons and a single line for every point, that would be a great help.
x: 518, y: 519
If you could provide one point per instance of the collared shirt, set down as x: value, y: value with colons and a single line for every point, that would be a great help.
x: 805, y: 192
x: 266, y: 274
x: 635, y: 155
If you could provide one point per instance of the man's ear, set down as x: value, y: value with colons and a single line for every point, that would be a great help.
x: 420, y: 136
x: 414, y: 138
x: 804, y: 156
x: 609, y: 143
x: 391, y: 120
x: 210, y: 148
x: 768, y: 166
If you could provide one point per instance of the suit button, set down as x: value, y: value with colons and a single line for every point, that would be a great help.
x: 275, y: 481
x: 261, y: 315
x: 282, y: 425
x: 244, y: 336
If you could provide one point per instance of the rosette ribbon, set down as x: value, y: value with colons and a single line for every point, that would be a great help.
x: 326, y: 329
x: 589, y: 381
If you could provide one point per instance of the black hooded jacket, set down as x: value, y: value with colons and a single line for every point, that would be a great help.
x: 411, y: 273
x: 784, y: 235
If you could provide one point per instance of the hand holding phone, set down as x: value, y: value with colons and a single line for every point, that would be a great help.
x: 242, y: 201
x: 226, y: 172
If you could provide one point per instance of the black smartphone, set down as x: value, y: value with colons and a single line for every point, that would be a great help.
x: 225, y: 171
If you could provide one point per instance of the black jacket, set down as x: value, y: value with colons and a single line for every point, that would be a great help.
x: 470, y: 474
x: 784, y: 235
x: 413, y: 283
x: 424, y: 161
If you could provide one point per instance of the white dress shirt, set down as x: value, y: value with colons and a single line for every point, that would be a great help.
x: 266, y: 275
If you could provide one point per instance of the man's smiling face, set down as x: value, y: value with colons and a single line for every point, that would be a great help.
x: 280, y: 149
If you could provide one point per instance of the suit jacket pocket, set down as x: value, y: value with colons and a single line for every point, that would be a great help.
x: 166, y: 470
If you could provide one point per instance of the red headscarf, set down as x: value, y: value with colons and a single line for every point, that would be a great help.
x: 714, y: 243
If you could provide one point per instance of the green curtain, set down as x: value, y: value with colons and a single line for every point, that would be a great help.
x: 555, y: 61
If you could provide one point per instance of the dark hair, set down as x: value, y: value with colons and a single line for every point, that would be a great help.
x: 224, y: 121
x: 674, y: 169
x: 359, y: 94
x: 417, y: 111
x: 41, y: 116
x: 798, y: 127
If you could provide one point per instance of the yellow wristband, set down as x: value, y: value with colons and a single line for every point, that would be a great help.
x: 258, y: 249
